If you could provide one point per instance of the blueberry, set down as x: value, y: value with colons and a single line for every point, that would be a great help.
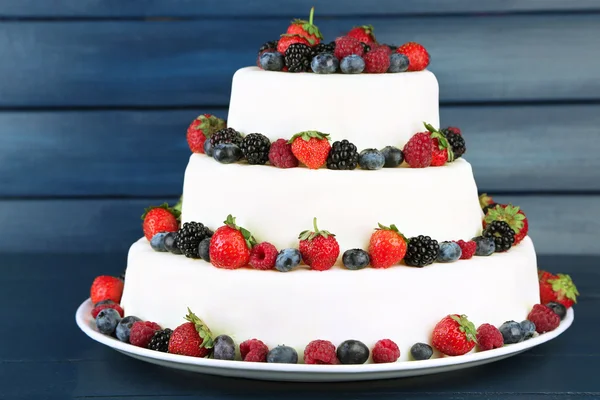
x: 421, y: 351
x: 371, y: 159
x: 511, y: 332
x: 528, y: 329
x: 208, y: 149
x: 282, y: 355
x: 203, y: 248
x: 287, y: 259
x: 271, y: 61
x: 107, y: 321
x: 558, y: 309
x: 103, y: 302
x: 124, y: 328
x: 449, y: 252
x: 224, y: 348
x: 352, y: 64
x: 352, y: 352
x: 393, y: 156
x: 356, y: 259
x: 227, y: 153
x: 398, y: 63
x: 171, y: 243
x: 324, y: 63
x: 485, y: 246
x: 158, y: 242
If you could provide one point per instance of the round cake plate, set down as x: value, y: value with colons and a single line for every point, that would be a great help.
x: 311, y: 373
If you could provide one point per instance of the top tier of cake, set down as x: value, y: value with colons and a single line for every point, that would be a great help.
x: 369, y: 110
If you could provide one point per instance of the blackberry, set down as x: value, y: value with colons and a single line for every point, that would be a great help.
x: 366, y: 47
x: 392, y: 47
x: 501, y: 232
x: 343, y: 155
x: 268, y: 45
x: 323, y: 48
x: 457, y: 142
x: 227, y: 135
x: 256, y: 147
x: 189, y: 237
x: 298, y: 57
x: 160, y: 341
x: 421, y: 251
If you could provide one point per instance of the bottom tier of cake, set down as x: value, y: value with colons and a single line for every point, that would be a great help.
x: 400, y: 303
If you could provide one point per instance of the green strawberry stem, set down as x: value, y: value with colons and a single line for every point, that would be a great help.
x: 176, y: 213
x: 308, y: 235
x: 248, y: 237
x: 466, y: 326
x: 202, y: 329
x: 442, y: 141
x: 311, y: 15
x: 307, y: 135
x: 565, y: 286
x: 392, y: 228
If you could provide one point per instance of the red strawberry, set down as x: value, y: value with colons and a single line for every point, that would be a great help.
x: 441, y: 151
x: 201, y: 129
x: 306, y: 29
x: 387, y: 246
x: 142, y: 332
x: 418, y: 57
x: 160, y: 219
x: 512, y: 215
x: 468, y: 249
x: 377, y: 61
x: 287, y: 40
x: 192, y: 338
x: 311, y: 148
x: 101, y: 307
x: 230, y: 245
x: 454, y: 335
x: 363, y: 33
x: 345, y: 46
x: 417, y: 151
x: 106, y: 288
x: 558, y: 288
x: 319, y: 249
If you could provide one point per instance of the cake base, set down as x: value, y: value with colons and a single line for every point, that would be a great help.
x: 400, y: 303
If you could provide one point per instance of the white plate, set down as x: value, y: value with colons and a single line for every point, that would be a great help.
x: 311, y: 373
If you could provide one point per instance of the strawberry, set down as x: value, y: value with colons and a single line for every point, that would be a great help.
x: 417, y: 151
x: 106, y: 288
x: 418, y: 57
x: 230, y: 245
x: 387, y: 246
x: 512, y: 215
x: 441, y: 151
x: 454, y: 335
x: 558, y: 288
x: 287, y: 40
x: 160, y: 219
x: 101, y: 307
x: 363, y: 34
x: 306, y: 29
x: 192, y: 338
x: 201, y: 129
x: 311, y: 148
x: 319, y: 249
x: 345, y: 46
x: 377, y: 61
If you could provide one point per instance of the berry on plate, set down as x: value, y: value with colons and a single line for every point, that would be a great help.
x: 311, y: 148
x: 202, y: 128
x: 511, y: 332
x: 142, y: 333
x: 417, y: 151
x: 106, y: 288
x: 306, y: 29
x: 467, y: 249
x: 512, y: 215
x: 385, y: 351
x: 230, y: 245
x: 387, y: 246
x: 224, y: 348
x: 527, y: 328
x: 287, y: 259
x: 418, y: 56
x: 489, y: 337
x: 319, y: 249
x: 355, y: 259
x: 421, y: 351
x: 544, y: 318
x: 192, y: 338
x: 377, y: 61
x: 558, y: 309
x: 346, y: 46
x: 254, y: 350
x: 124, y: 328
x: 108, y: 319
x: 557, y: 288
x: 281, y: 155
x: 160, y: 340
x: 352, y: 352
x: 363, y: 33
x: 320, y: 352
x: 352, y: 64
x: 160, y: 219
x: 263, y: 256
x: 454, y: 335
x: 282, y: 355
x: 101, y: 307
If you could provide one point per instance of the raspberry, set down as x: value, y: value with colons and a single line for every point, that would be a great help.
x: 280, y: 154
x: 377, y: 61
x: 101, y: 307
x: 346, y: 45
x: 263, y: 256
x: 417, y: 152
x: 468, y: 249
x: 544, y: 318
x: 320, y: 352
x: 142, y: 333
x: 385, y: 351
x: 489, y: 337
x: 254, y: 350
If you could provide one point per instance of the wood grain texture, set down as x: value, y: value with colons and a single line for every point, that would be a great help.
x: 144, y: 153
x: 190, y: 63
x: 558, y: 224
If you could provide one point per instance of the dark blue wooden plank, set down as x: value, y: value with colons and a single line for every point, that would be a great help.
x: 265, y: 8
x: 558, y: 224
x: 157, y: 63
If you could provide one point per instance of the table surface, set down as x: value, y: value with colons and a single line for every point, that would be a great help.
x: 44, y: 355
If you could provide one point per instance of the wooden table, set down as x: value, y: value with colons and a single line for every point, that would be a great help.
x: 44, y: 355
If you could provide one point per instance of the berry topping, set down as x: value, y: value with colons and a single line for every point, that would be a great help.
x: 371, y: 159
x: 271, y: 61
x: 311, y: 148
x: 513, y: 216
x: 346, y: 46
x: 106, y: 288
x: 287, y: 40
x: 255, y: 148
x: 227, y: 135
x: 170, y: 240
x: 227, y: 153
x: 467, y: 249
x: 108, y: 319
x: 421, y: 251
x: 511, y: 332
x: 456, y: 141
x: 268, y: 46
x: 253, y: 350
x: 398, y: 63
x: 263, y: 256
x: 449, y: 252
x: 417, y: 55
x: 421, y: 351
x: 192, y: 338
x: 454, y: 335
x: 160, y: 219
x: 385, y: 351
x: 230, y: 245
x: 417, y: 151
x: 484, y: 246
x: 202, y: 128
x: 160, y: 340
x: 298, y: 57
x: 319, y: 249
x: 306, y: 29
x: 324, y: 48
x: 489, y: 337
x: 544, y: 318
x: 501, y: 233
x: 377, y: 61
x: 352, y: 352
x: 224, y: 348
x: 393, y: 156
x: 282, y: 355
x: 320, y: 352
x: 204, y: 249
x: 281, y: 155
x: 287, y: 259
x: 528, y: 329
x: 189, y: 236
x: 558, y: 309
x: 101, y: 307
x: 123, y: 330
x: 557, y: 288
x: 142, y: 333
x: 352, y: 64
x: 158, y: 242
x: 355, y: 259
x: 387, y: 246
x: 363, y: 33
x: 324, y: 63
x: 343, y: 155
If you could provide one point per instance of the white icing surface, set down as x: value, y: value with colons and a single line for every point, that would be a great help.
x: 277, y: 204
x: 370, y: 110
x: 400, y: 303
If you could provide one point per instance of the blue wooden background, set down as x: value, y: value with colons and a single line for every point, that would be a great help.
x: 95, y: 97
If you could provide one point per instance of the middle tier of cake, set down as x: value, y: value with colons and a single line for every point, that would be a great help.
x: 277, y: 204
